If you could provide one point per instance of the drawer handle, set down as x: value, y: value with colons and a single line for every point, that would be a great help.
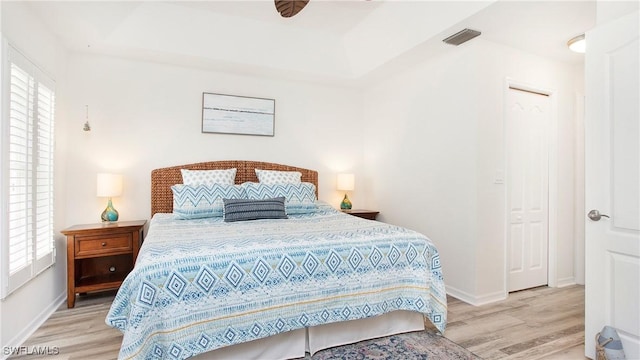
x: 104, y: 244
x: 112, y: 269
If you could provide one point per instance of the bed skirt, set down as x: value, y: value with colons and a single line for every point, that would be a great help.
x: 294, y: 344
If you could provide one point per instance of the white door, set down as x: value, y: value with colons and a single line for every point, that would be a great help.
x: 528, y: 118
x: 612, y: 183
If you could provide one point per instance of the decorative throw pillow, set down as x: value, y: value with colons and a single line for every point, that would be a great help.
x: 208, y: 177
x: 299, y: 198
x: 201, y: 201
x: 278, y: 177
x: 245, y: 209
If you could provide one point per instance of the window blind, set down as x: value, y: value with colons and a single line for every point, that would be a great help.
x: 28, y: 146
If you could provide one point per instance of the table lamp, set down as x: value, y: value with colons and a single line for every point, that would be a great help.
x: 109, y: 185
x: 346, y: 183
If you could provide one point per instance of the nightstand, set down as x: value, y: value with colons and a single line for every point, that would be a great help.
x: 365, y: 214
x: 99, y: 256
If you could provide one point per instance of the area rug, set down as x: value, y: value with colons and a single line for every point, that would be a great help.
x: 409, y: 346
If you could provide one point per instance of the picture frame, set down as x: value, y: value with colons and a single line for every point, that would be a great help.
x: 241, y: 115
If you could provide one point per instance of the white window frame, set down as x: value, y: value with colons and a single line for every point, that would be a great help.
x: 39, y: 235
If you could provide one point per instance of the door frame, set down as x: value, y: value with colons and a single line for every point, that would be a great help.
x: 552, y: 179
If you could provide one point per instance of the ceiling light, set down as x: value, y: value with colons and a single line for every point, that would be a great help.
x: 577, y: 44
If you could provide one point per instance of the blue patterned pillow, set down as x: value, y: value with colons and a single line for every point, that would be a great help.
x: 245, y: 209
x: 208, y: 177
x: 201, y: 201
x: 299, y: 198
x: 278, y: 177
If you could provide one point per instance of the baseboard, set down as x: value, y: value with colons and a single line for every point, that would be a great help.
x: 476, y: 300
x: 564, y: 282
x: 23, y: 335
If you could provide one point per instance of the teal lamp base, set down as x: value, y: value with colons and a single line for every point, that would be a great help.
x: 110, y: 213
x: 346, y: 203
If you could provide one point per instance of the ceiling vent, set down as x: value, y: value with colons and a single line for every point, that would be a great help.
x: 461, y: 37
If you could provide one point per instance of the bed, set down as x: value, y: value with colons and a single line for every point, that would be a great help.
x: 271, y: 288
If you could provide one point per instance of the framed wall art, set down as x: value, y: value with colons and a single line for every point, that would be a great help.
x: 231, y: 114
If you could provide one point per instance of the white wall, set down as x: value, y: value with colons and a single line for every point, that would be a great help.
x: 434, y: 141
x: 420, y: 158
x: 579, y: 194
x: 611, y: 10
x: 146, y: 115
x: 25, y: 309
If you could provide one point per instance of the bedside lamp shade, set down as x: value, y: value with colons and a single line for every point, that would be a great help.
x: 346, y: 182
x: 109, y: 185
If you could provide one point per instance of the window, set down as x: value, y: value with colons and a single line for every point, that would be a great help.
x: 28, y: 97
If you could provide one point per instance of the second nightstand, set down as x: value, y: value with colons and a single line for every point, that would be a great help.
x: 365, y: 214
x: 99, y: 256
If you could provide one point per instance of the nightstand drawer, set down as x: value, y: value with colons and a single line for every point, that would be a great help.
x: 103, y: 244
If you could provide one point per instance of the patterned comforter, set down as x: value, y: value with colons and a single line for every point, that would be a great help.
x: 203, y: 284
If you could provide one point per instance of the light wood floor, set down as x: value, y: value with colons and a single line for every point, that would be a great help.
x: 541, y: 323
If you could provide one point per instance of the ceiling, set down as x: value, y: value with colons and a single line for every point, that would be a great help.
x: 339, y: 40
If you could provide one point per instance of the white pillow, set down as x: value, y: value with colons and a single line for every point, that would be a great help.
x: 278, y: 177
x: 208, y: 177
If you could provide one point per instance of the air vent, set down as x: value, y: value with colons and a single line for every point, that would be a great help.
x: 461, y: 37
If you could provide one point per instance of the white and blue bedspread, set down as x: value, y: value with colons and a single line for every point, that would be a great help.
x: 203, y: 284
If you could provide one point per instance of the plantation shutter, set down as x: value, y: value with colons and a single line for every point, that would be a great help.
x: 29, y: 170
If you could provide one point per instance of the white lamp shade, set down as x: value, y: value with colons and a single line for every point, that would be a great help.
x: 346, y: 182
x: 109, y: 185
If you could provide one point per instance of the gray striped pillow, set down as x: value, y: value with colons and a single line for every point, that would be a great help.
x: 247, y: 209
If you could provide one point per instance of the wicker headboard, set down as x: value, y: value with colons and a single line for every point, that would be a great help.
x: 162, y: 179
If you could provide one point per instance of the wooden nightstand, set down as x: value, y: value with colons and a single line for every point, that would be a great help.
x: 99, y: 256
x: 365, y: 214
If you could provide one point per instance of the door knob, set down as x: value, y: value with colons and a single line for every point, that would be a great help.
x: 595, y: 215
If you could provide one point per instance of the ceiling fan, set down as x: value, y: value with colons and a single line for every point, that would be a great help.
x: 288, y: 8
